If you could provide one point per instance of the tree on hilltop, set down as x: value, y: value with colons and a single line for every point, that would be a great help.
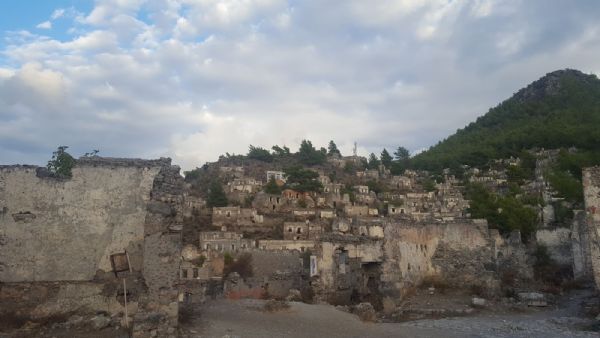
x: 373, y: 162
x: 308, y: 155
x: 386, y: 158
x: 402, y: 154
x: 261, y: 154
x: 332, y: 149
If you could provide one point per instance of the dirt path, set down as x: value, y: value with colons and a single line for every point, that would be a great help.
x: 245, y: 318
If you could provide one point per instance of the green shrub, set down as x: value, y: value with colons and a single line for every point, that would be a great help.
x: 61, y: 163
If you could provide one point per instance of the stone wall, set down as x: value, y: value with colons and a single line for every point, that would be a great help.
x: 580, y: 246
x: 347, y: 269
x: 591, y: 194
x: 460, y: 253
x: 63, y: 231
x: 274, y: 274
x: 558, y: 241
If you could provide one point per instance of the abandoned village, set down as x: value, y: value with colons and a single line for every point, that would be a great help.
x: 344, y: 232
x: 118, y: 247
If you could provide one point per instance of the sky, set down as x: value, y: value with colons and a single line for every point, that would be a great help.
x: 194, y: 79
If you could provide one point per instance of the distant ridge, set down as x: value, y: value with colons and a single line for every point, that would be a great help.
x: 561, y: 109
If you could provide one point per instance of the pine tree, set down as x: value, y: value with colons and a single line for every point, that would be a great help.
x: 333, y: 149
x: 386, y: 158
x: 373, y: 161
x: 402, y: 154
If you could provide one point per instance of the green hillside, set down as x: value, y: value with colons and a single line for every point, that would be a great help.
x: 560, y: 110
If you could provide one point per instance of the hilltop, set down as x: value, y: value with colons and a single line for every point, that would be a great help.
x: 560, y: 110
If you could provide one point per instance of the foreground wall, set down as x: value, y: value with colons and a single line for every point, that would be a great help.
x: 591, y: 192
x: 57, y: 235
x: 460, y: 253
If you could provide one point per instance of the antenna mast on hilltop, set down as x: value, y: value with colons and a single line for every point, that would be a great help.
x: 354, y: 149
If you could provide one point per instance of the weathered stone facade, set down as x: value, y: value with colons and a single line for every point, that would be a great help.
x: 591, y: 194
x: 63, y: 232
x: 580, y: 246
x: 461, y: 253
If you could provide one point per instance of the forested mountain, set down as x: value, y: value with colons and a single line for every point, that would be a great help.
x: 560, y: 110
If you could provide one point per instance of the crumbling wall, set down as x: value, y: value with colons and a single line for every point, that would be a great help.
x: 63, y: 231
x: 67, y: 229
x: 558, y: 241
x: 274, y: 274
x: 346, y: 267
x: 580, y: 246
x: 460, y: 253
x: 591, y: 193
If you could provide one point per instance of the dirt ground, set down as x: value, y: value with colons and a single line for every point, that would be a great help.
x: 246, y: 318
x: 568, y: 317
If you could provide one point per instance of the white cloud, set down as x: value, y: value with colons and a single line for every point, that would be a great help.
x: 58, y: 13
x: 193, y: 79
x: 33, y: 81
x: 44, y: 25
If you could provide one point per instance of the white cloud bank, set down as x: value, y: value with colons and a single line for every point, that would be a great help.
x: 193, y: 79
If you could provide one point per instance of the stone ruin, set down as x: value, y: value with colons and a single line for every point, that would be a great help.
x: 591, y: 192
x: 57, y: 237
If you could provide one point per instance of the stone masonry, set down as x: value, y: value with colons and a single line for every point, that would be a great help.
x: 57, y: 237
x: 591, y: 192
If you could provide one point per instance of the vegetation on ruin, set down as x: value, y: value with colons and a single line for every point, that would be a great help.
x: 62, y: 163
x: 192, y: 175
x: 302, y: 180
x: 560, y: 110
x: 216, y: 195
x: 376, y: 186
x: 429, y: 184
x: 565, y: 174
x: 506, y: 213
x: 272, y: 188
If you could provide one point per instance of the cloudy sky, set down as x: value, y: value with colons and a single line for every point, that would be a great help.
x: 192, y: 79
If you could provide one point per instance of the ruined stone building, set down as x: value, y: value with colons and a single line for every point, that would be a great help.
x: 237, y: 218
x: 247, y: 185
x: 276, y: 175
x: 223, y: 241
x: 62, y: 240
